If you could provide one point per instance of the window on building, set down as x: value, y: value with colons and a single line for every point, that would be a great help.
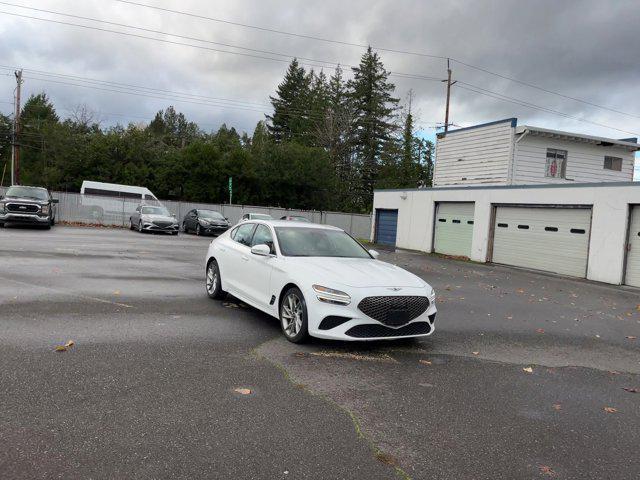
x: 613, y: 163
x: 556, y: 163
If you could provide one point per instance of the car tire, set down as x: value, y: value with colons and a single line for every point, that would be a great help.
x: 198, y: 230
x: 131, y: 226
x: 53, y: 221
x: 293, y: 316
x: 184, y: 227
x: 213, y: 283
x: 140, y: 226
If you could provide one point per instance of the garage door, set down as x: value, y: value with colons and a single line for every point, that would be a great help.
x: 386, y: 226
x: 550, y: 239
x: 454, y: 228
x: 633, y: 256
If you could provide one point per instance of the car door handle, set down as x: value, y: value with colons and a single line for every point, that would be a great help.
x: 245, y: 258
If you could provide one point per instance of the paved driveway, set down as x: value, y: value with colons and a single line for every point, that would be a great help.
x: 148, y: 389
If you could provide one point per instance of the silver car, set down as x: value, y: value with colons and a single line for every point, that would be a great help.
x: 148, y: 218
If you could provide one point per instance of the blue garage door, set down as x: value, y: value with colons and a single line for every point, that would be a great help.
x: 386, y: 226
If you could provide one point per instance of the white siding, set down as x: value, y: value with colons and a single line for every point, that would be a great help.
x: 585, y: 161
x: 478, y: 155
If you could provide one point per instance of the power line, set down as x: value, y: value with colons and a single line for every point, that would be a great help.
x: 288, y: 57
x: 524, y: 103
x: 383, y: 49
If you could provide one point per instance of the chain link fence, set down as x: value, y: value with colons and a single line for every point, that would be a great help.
x: 115, y: 211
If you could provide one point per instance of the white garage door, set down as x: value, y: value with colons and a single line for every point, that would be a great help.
x: 633, y: 257
x: 454, y: 228
x: 550, y: 239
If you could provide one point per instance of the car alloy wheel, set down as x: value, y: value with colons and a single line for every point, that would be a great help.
x: 212, y: 283
x: 293, y: 316
x: 140, y: 226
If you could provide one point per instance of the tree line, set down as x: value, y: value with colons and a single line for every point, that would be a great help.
x: 328, y: 143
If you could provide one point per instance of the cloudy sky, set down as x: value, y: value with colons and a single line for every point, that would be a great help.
x: 586, y: 49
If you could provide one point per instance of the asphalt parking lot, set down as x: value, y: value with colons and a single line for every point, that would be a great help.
x: 527, y: 375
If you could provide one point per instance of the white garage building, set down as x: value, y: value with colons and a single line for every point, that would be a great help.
x: 524, y: 196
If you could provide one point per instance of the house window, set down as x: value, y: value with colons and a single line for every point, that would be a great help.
x: 556, y: 163
x: 613, y: 163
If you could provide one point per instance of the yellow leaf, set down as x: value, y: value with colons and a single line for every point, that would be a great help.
x: 610, y: 410
x: 70, y: 343
x: 61, y: 348
x: 528, y: 369
x: 242, y: 391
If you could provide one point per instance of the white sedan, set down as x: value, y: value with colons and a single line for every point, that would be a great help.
x: 318, y: 281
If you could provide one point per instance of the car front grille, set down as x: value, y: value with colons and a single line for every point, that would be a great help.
x: 22, y: 208
x: 394, y: 311
x: 162, y: 224
x: 374, y: 330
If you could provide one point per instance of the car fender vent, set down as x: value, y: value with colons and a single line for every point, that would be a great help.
x: 332, y: 321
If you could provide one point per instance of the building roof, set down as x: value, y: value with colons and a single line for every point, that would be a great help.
x: 627, y: 143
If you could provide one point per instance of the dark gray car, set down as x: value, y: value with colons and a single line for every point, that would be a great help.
x: 204, y: 222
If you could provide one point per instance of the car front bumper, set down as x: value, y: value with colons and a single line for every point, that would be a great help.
x: 25, y: 218
x: 152, y: 227
x: 353, y: 325
x: 213, y: 229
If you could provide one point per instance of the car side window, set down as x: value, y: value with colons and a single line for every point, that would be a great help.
x: 263, y: 236
x: 244, y: 233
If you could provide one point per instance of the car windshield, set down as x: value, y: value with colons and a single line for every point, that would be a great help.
x: 154, y: 211
x: 28, y: 192
x: 318, y: 242
x: 260, y: 216
x: 210, y: 214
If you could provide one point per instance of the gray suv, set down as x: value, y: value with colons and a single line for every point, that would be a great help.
x: 28, y: 205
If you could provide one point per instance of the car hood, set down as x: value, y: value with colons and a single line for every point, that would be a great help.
x: 355, y: 272
x: 164, y: 218
x: 25, y: 200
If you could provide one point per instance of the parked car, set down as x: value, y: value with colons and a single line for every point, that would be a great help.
x: 148, y: 218
x: 295, y: 218
x: 110, y: 201
x: 204, y: 222
x: 256, y: 216
x: 28, y: 205
x: 318, y: 281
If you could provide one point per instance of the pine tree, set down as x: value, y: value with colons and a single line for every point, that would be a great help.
x: 374, y: 112
x: 290, y: 105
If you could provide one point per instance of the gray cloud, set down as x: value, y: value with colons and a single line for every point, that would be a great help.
x: 587, y: 49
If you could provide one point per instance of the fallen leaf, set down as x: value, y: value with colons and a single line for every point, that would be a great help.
x: 520, y: 290
x: 386, y: 458
x: 547, y: 470
x: 528, y: 369
x: 425, y: 362
x: 557, y: 406
x: 540, y: 330
x: 70, y: 343
x: 242, y: 391
x: 509, y: 317
x: 631, y: 337
x: 61, y: 348
x: 476, y: 353
x: 613, y: 372
x: 610, y: 410
x: 638, y: 307
x: 631, y: 390
x: 116, y: 292
x: 300, y: 354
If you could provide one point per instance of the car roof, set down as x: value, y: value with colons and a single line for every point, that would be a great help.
x: 293, y: 223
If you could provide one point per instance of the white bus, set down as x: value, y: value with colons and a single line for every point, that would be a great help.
x: 113, y: 202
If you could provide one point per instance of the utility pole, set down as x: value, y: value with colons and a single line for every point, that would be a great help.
x: 449, y: 83
x: 15, y: 151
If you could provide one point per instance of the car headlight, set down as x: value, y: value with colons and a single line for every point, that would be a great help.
x: 329, y: 295
x: 45, y: 209
x: 431, y: 294
x: 204, y: 222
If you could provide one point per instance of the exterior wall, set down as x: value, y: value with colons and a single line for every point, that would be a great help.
x: 585, y: 161
x: 610, y: 203
x: 476, y: 155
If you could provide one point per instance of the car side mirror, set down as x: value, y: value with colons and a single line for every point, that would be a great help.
x: 374, y: 253
x: 262, y: 250
x: 53, y: 200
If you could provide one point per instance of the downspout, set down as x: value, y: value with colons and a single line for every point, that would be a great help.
x: 514, y: 156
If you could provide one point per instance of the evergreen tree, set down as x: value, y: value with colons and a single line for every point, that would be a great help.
x: 290, y: 105
x: 374, y: 113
